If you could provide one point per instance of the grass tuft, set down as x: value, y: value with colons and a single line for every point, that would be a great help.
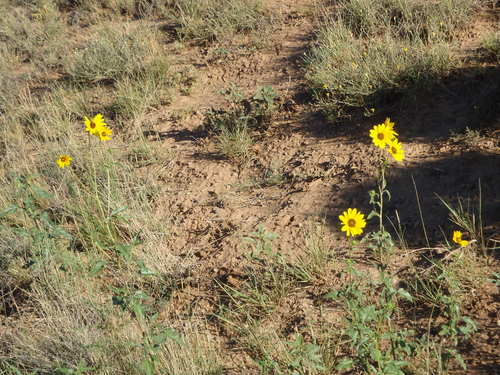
x: 114, y: 53
x: 371, y: 51
x: 211, y: 20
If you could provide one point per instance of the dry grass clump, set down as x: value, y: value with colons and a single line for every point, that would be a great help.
x: 367, y: 50
x: 490, y: 46
x: 209, y: 20
x: 35, y: 34
x: 414, y: 20
x: 74, y: 328
x: 112, y: 53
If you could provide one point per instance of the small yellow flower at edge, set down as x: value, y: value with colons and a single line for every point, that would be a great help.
x: 93, y: 126
x: 396, y: 150
x: 352, y: 221
x: 382, y: 134
x: 457, y: 238
x: 64, y: 161
x: 105, y: 133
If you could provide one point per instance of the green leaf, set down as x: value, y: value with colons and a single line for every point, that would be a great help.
x: 388, y: 194
x: 376, y: 355
x: 9, y: 210
x: 345, y: 364
x: 40, y: 193
x: 116, y: 212
x: 404, y: 293
x: 138, y: 309
x: 173, y: 335
x: 333, y: 295
x: 145, y: 271
x: 148, y: 367
x: 97, y: 267
x: 124, y: 250
x: 60, y: 232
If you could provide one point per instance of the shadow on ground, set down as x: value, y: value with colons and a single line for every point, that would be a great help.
x: 449, y: 178
x: 469, y: 97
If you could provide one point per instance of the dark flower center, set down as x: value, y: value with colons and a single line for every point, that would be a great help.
x: 351, y: 223
x: 380, y: 136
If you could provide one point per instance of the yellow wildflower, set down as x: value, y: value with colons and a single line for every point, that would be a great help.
x: 396, y: 150
x: 389, y: 123
x: 95, y: 125
x: 457, y: 238
x: 382, y: 134
x: 64, y: 161
x: 352, y: 221
x: 105, y: 133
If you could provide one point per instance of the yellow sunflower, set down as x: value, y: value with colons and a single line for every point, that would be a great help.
x: 457, y: 238
x: 389, y: 123
x: 352, y: 221
x: 64, y: 161
x: 94, y: 126
x: 396, y: 150
x: 382, y: 134
x: 104, y: 133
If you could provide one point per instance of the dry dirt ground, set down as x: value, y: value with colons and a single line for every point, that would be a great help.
x: 324, y: 168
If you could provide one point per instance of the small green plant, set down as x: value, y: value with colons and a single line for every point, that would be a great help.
x: 305, y: 356
x: 154, y: 335
x: 235, y: 144
x: 136, y: 97
x: 233, y: 127
x: 490, y: 46
x: 468, y: 218
x: 469, y: 137
x: 32, y: 209
x: 377, y: 344
x: 261, y: 242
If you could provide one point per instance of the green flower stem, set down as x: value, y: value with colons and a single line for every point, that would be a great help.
x: 381, y: 189
x: 96, y: 190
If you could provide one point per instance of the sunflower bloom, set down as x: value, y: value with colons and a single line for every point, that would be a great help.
x: 382, y: 134
x: 104, y: 133
x: 396, y: 150
x: 389, y: 124
x: 64, y: 161
x: 94, y: 126
x: 352, y: 221
x: 457, y: 238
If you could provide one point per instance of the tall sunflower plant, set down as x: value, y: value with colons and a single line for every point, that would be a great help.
x: 353, y: 222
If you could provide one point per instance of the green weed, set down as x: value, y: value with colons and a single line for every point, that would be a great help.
x: 233, y: 127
